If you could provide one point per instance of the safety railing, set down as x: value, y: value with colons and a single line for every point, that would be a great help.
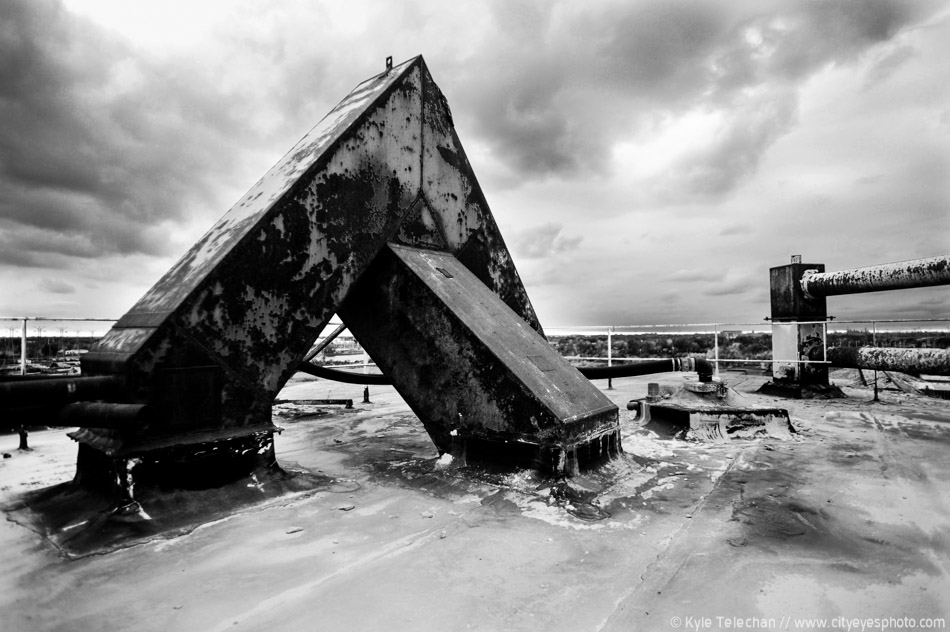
x: 54, y: 345
x: 34, y: 344
x: 720, y: 336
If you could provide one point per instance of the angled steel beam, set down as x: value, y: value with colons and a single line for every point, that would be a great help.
x: 476, y: 374
x: 210, y: 345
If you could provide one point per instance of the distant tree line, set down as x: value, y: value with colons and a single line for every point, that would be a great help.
x: 751, y: 346
x: 41, y: 347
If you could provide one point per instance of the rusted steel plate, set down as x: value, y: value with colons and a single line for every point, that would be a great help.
x: 788, y: 301
x: 889, y: 276
x: 451, y: 190
x: 213, y: 342
x: 467, y: 364
x: 912, y: 361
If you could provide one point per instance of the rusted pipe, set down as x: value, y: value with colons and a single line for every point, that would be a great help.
x: 702, y: 366
x: 103, y: 415
x: 889, y: 276
x: 912, y: 361
x: 58, y: 391
x: 630, y: 369
x: 345, y: 377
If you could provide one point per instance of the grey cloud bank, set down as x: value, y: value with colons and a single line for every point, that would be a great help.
x: 616, y: 142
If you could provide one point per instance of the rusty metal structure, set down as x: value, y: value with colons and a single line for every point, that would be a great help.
x: 703, y: 368
x: 376, y: 215
x: 910, y: 361
x: 707, y: 410
x: 800, y: 314
x: 889, y: 276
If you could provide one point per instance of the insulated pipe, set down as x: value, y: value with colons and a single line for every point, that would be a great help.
x: 58, y: 391
x: 912, y: 361
x: 630, y: 369
x: 702, y: 366
x: 889, y: 276
x: 103, y: 415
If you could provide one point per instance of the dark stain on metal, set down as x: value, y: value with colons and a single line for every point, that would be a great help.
x: 911, y: 361
x: 461, y: 342
x: 202, y: 355
x: 889, y: 276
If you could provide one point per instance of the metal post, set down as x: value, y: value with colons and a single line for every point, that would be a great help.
x: 824, y: 341
x: 874, y: 341
x: 716, y: 350
x: 610, y: 381
x: 365, y: 371
x: 23, y: 349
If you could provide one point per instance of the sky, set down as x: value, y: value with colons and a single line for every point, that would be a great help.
x: 647, y: 161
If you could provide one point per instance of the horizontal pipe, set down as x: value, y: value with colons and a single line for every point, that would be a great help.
x: 335, y: 375
x: 912, y: 361
x: 58, y: 391
x: 103, y: 415
x: 889, y: 276
x: 629, y: 369
x: 348, y: 403
x: 702, y: 366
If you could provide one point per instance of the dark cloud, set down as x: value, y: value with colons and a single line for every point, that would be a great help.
x: 97, y: 145
x: 56, y: 286
x: 568, y: 81
x: 543, y: 241
x: 112, y: 148
x: 735, y: 152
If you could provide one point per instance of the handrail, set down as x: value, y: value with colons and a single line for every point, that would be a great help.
x: 715, y: 329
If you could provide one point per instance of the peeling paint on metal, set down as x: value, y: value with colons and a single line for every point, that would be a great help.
x: 889, y: 276
x: 465, y: 362
x: 243, y: 306
x: 912, y: 361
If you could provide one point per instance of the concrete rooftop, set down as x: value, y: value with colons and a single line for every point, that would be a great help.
x: 849, y: 517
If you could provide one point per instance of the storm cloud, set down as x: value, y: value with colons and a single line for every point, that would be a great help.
x: 97, y: 144
x: 619, y: 138
x: 568, y: 80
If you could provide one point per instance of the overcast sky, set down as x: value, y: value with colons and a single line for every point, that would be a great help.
x: 647, y: 161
